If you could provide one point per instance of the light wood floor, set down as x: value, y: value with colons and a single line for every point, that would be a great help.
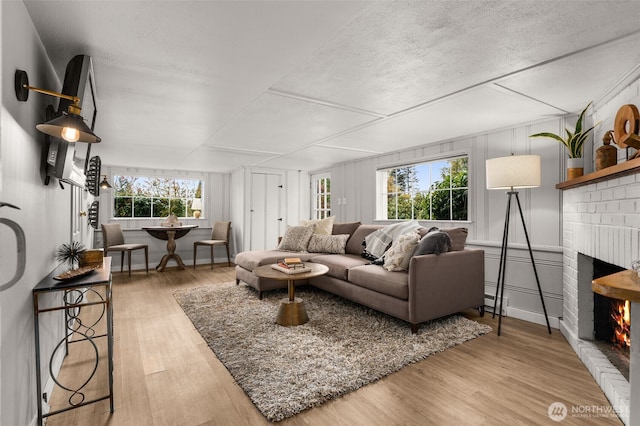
x: 166, y: 375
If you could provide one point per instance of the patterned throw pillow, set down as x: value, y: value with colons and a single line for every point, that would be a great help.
x: 296, y: 238
x: 328, y: 243
x: 399, y: 254
x: 323, y: 226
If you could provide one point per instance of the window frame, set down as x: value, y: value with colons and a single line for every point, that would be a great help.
x: 157, y: 175
x: 381, y: 201
x: 318, y: 212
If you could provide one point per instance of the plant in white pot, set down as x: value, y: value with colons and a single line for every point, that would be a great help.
x: 574, y: 142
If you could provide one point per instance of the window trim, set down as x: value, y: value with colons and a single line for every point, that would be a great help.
x: 314, y: 207
x: 380, y: 202
x: 148, y: 173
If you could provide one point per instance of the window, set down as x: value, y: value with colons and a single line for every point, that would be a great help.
x: 140, y: 197
x: 434, y: 190
x: 321, y: 196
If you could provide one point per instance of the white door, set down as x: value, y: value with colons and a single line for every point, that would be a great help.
x: 80, y: 229
x: 265, y: 210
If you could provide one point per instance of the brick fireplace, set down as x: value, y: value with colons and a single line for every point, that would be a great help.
x: 601, y: 220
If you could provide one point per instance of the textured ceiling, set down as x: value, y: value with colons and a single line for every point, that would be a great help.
x: 217, y: 85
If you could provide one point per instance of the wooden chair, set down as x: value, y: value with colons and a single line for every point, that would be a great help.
x: 113, y: 240
x: 219, y: 237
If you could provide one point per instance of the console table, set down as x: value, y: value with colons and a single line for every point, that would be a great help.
x: 93, y: 289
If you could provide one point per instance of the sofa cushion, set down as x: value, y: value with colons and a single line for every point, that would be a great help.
x: 458, y: 237
x: 250, y: 260
x: 435, y: 242
x: 327, y: 243
x: 354, y: 245
x: 296, y: 238
x: 378, y: 279
x: 345, y: 228
x: 399, y: 254
x: 339, y: 264
x: 323, y: 226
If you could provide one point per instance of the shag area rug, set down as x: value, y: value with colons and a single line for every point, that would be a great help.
x: 344, y: 346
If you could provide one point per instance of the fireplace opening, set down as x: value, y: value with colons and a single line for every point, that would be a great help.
x: 611, y: 322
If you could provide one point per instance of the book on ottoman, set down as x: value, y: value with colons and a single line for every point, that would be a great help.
x: 290, y: 268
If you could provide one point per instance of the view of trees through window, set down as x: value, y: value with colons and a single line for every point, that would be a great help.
x: 436, y: 190
x: 322, y: 197
x: 140, y: 197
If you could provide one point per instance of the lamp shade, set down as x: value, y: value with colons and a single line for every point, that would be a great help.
x: 58, y: 128
x: 514, y: 171
x: 196, y: 204
x: 105, y: 183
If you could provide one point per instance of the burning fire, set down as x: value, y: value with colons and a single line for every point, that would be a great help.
x: 621, y: 316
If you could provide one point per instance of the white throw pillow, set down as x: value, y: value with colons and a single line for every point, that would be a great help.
x: 323, y: 226
x: 328, y: 243
x: 296, y: 238
x: 399, y: 254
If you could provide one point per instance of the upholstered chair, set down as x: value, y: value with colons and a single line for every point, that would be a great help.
x: 219, y: 237
x: 113, y: 240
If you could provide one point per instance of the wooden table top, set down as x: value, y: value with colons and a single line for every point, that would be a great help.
x: 266, y: 271
x: 624, y: 285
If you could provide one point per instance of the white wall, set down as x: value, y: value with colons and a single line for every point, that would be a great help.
x: 354, y: 182
x: 44, y: 214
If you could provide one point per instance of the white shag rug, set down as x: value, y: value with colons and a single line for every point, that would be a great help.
x: 344, y: 346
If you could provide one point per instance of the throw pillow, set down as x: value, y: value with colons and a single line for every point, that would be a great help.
x: 399, y: 254
x: 323, y: 226
x: 435, y: 242
x: 345, y: 228
x: 458, y: 237
x: 327, y: 243
x: 296, y: 238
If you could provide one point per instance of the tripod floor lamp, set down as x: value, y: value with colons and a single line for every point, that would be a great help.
x: 510, y: 173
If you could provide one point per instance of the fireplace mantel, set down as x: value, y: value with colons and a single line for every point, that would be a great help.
x: 619, y: 170
x: 624, y: 285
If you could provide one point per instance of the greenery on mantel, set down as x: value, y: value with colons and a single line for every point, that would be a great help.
x: 574, y: 142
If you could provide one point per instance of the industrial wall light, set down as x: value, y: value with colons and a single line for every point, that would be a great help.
x: 69, y: 126
x: 105, y: 183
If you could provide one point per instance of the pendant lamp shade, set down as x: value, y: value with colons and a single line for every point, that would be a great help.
x: 70, y: 127
x: 514, y: 171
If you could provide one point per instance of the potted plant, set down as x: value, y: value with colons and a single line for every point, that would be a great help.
x: 574, y: 142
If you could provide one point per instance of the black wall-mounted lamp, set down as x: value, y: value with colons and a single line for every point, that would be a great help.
x: 70, y: 126
x: 105, y: 183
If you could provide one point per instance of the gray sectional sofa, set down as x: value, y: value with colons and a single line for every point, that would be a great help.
x: 434, y: 285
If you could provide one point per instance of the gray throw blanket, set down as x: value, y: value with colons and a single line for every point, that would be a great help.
x: 376, y: 243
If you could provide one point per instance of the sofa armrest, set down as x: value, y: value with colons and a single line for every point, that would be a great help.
x: 444, y: 284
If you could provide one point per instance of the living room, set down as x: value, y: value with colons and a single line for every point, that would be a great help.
x: 380, y: 117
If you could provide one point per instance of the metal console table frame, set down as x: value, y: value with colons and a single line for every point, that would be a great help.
x: 74, y: 298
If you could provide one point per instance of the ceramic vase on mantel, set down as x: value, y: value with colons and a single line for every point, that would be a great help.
x: 575, y: 168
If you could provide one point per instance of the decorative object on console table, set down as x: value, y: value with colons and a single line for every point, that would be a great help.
x: 70, y: 253
x: 172, y: 221
x: 606, y: 155
x: 574, y: 142
x: 625, y: 128
x: 196, y: 206
x: 513, y: 172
